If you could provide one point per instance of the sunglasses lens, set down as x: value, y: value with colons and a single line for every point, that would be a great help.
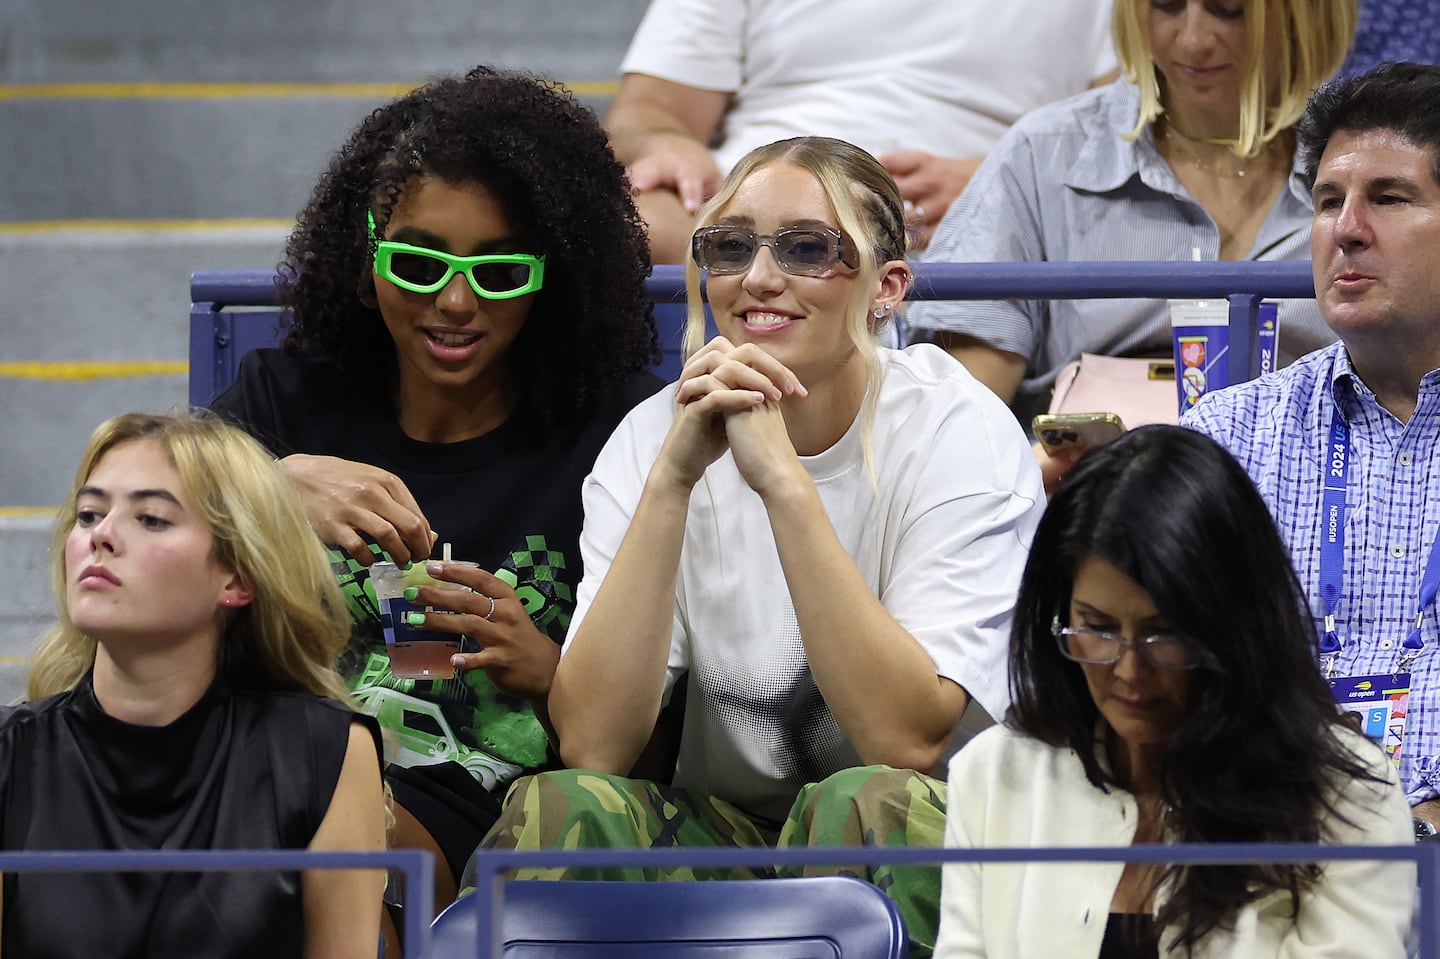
x: 501, y: 277
x: 727, y: 251
x: 417, y: 269
x: 805, y: 252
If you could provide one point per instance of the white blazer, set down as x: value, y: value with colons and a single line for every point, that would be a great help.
x: 1006, y: 789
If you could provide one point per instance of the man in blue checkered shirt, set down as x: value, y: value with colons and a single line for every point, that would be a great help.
x: 1363, y: 549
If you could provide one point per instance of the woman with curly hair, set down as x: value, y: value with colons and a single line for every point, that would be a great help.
x: 468, y: 324
x: 1163, y: 673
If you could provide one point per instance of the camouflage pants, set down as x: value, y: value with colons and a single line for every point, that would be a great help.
x: 864, y: 806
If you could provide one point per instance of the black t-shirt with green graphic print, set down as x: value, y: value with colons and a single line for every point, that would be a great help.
x: 509, y: 500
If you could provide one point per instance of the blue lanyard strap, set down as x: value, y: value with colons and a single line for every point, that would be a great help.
x: 1332, y: 532
x: 1332, y: 548
x: 1429, y: 587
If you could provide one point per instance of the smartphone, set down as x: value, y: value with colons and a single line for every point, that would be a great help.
x: 1063, y: 432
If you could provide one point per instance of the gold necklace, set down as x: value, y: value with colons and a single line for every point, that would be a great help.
x: 1184, y: 144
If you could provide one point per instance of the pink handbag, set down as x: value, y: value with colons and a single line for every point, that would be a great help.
x: 1138, y: 390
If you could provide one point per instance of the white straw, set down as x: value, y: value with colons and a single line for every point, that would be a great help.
x: 445, y: 552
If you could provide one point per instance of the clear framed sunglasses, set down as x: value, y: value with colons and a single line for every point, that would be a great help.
x: 800, y: 251
x: 493, y: 276
x: 1099, y: 648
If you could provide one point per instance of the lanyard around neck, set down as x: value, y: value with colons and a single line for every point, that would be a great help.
x: 1332, y: 549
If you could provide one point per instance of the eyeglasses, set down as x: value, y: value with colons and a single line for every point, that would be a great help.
x: 801, y: 252
x: 493, y: 276
x: 1099, y: 648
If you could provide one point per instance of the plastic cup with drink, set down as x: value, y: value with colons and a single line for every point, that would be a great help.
x: 415, y: 652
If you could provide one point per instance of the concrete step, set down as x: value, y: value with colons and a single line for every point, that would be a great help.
x: 27, y: 606
x: 173, y: 158
x: 116, y: 301
x: 120, y: 292
x: 67, y: 41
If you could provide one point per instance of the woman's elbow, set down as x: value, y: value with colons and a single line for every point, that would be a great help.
x: 593, y: 756
x: 584, y: 742
x: 917, y: 753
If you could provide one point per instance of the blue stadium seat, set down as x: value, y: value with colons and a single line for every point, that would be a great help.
x: 234, y: 311
x: 822, y: 917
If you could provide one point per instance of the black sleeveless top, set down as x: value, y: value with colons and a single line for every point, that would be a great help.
x: 238, y: 770
x: 1129, y: 935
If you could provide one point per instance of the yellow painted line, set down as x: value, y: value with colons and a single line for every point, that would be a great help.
x: 72, y: 370
x: 142, y: 226
x: 210, y: 91
x: 26, y: 512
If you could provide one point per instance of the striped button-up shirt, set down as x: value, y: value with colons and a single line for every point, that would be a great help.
x: 1278, y: 427
x: 1065, y: 184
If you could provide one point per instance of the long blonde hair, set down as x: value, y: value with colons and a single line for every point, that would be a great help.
x: 1317, y: 34
x: 292, y: 631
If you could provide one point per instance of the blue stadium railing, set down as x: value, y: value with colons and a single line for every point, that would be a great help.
x: 491, y: 865
x: 234, y: 311
x: 416, y: 866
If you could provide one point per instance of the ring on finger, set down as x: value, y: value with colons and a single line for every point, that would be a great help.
x: 491, y: 611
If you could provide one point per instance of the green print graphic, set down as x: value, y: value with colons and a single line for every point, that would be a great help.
x: 537, y: 581
x: 466, y: 720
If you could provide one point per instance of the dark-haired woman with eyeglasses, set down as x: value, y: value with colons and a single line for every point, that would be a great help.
x: 1165, y: 690
x: 817, y: 539
x: 468, y: 324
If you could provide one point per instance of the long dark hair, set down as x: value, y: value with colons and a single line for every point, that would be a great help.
x: 547, y: 161
x: 1256, y: 758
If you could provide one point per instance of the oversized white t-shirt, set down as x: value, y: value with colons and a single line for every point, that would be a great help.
x: 946, y: 77
x: 940, y: 534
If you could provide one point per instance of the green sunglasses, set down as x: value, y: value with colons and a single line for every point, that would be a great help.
x: 493, y: 276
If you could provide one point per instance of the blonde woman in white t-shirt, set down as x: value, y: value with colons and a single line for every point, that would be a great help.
x: 816, y: 539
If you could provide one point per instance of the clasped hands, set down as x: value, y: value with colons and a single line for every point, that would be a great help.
x: 929, y: 184
x: 729, y: 397
x: 676, y: 162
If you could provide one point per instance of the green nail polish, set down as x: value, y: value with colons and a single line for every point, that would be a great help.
x: 415, y: 619
x: 412, y: 593
x: 406, y: 567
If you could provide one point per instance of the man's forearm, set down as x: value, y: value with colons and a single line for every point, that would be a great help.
x: 646, y: 106
x: 1428, y: 810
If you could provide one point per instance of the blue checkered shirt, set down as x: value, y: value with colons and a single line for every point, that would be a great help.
x: 1278, y: 427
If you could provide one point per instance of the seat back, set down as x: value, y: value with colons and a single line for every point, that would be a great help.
x: 821, y: 917
x: 219, y: 337
x: 221, y: 334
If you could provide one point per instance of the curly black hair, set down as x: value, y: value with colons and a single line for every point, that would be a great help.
x: 549, y: 164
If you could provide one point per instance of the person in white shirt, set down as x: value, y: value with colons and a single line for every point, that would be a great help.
x: 1165, y: 690
x: 927, y: 87
x: 815, y: 538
